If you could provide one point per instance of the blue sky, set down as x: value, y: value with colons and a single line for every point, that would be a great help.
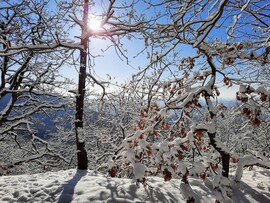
x: 110, y: 64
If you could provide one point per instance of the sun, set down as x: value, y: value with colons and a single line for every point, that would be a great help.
x: 94, y: 23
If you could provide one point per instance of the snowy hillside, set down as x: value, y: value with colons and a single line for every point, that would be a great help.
x: 81, y: 186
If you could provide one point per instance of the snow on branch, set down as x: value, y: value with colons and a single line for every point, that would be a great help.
x: 249, y: 160
x: 76, y: 20
x: 40, y: 48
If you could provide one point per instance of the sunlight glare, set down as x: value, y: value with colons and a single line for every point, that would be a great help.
x: 94, y: 23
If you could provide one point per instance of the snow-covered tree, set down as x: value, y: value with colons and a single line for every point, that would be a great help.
x: 39, y: 33
x: 30, y: 58
x: 106, y: 126
x: 168, y: 115
x: 195, y: 50
x: 113, y: 26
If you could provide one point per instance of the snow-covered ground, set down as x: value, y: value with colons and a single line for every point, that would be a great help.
x: 88, y: 186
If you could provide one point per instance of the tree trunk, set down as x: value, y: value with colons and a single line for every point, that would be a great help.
x: 225, y: 157
x: 80, y: 140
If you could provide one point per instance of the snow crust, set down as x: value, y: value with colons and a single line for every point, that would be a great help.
x: 77, y: 186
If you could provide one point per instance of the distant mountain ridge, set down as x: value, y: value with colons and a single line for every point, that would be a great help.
x: 46, y: 125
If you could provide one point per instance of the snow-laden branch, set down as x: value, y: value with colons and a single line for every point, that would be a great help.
x: 98, y: 83
x: 209, y: 23
x: 14, y: 125
x: 76, y: 20
x: 39, y: 156
x: 39, y: 48
x: 249, y: 160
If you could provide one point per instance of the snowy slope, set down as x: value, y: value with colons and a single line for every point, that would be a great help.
x: 88, y: 186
